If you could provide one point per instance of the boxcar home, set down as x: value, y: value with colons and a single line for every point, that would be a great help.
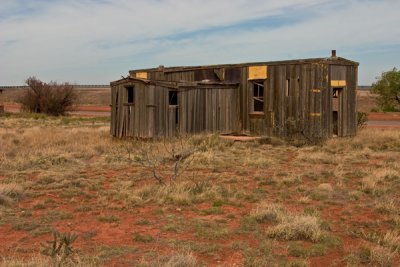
x: 312, y: 97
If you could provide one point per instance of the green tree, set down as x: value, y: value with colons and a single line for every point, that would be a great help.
x: 387, y: 87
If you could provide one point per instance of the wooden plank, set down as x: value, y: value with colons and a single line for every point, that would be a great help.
x: 151, y: 111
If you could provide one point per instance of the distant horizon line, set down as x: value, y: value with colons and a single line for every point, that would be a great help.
x: 362, y: 87
x: 75, y: 85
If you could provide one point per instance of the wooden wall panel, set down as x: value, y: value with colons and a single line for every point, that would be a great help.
x: 307, y: 108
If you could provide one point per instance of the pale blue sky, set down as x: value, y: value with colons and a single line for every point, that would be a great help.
x: 95, y: 42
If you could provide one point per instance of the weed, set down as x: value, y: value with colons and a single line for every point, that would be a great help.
x: 143, y: 222
x: 108, y: 218
x: 60, y: 248
x: 108, y: 252
x: 374, y: 256
x: 10, y: 193
x: 297, y: 249
x: 142, y: 238
x: 248, y: 224
x: 213, y: 210
x: 55, y: 215
x: 83, y: 208
x: 296, y: 227
x: 268, y: 212
x: 210, y: 230
x: 25, y: 226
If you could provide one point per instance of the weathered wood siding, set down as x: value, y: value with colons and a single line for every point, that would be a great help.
x: 297, y: 100
x: 208, y: 110
x: 347, y: 113
x: 203, y: 109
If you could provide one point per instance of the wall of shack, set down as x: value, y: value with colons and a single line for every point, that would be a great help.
x: 297, y: 101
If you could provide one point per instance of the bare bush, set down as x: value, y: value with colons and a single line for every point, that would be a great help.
x: 168, y: 161
x: 49, y: 98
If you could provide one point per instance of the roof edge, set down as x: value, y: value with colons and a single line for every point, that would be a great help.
x: 331, y: 60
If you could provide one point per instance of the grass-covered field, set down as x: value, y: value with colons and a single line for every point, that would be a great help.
x: 222, y: 203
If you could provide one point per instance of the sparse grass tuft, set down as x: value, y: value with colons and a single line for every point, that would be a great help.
x: 182, y: 260
x: 108, y: 218
x: 373, y: 256
x: 138, y: 237
x: 268, y: 212
x: 297, y: 227
x: 9, y: 193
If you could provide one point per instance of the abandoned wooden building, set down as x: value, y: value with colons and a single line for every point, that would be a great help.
x: 312, y: 97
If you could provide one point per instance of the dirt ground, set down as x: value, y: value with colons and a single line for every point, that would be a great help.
x: 255, y: 203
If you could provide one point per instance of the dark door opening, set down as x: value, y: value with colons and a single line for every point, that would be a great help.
x: 336, y: 109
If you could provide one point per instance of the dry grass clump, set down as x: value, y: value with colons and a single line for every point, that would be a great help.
x: 179, y: 193
x: 391, y: 240
x: 311, y: 155
x: 42, y: 261
x: 380, y: 256
x: 325, y: 187
x: 43, y: 147
x: 289, y: 180
x: 182, y: 259
x: 372, y: 255
x: 289, y: 226
x: 373, y: 139
x: 268, y: 212
x: 305, y: 199
x: 376, y: 182
x: 297, y: 227
x: 387, y: 205
x: 9, y: 193
x: 38, y: 261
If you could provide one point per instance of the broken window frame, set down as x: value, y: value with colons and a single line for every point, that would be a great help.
x: 174, y: 104
x: 258, y: 91
x: 130, y: 95
x: 171, y: 98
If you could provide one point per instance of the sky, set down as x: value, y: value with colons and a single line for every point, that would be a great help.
x: 98, y: 41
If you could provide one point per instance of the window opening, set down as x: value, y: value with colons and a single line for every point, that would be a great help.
x: 173, y: 102
x: 258, y: 96
x: 335, y: 92
x: 173, y: 98
x: 131, y: 94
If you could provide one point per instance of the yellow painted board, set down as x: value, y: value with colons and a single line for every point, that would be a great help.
x: 257, y: 72
x: 316, y: 90
x: 141, y: 75
x: 338, y: 83
x: 315, y: 114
